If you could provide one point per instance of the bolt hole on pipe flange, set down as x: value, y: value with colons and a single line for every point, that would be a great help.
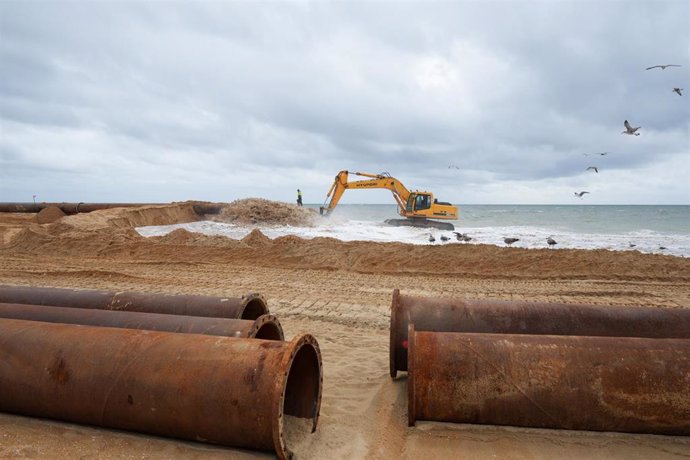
x: 298, y: 396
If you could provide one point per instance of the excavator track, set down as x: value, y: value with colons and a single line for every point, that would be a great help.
x: 423, y: 223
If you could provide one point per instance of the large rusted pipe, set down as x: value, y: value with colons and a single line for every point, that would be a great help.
x: 250, y: 306
x: 517, y: 317
x: 234, y: 392
x: 623, y: 384
x: 68, y: 208
x: 264, y: 327
x: 76, y: 208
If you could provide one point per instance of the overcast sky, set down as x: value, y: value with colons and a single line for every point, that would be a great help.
x: 163, y: 101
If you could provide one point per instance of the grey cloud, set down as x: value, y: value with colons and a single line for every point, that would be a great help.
x: 510, y: 94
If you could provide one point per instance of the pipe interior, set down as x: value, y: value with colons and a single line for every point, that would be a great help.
x: 302, y: 391
x: 269, y: 331
x: 254, y: 309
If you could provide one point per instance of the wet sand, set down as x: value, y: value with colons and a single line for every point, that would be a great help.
x: 341, y: 293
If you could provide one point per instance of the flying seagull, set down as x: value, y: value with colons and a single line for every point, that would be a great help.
x: 579, y: 194
x: 551, y: 242
x: 453, y: 167
x: 510, y: 241
x: 678, y: 90
x: 598, y: 153
x: 630, y: 130
x: 663, y: 67
x: 594, y: 168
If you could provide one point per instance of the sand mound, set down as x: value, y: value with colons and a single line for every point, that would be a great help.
x: 251, y: 211
x: 174, y: 213
x: 60, y: 239
x: 49, y: 215
x: 12, y: 223
x: 256, y: 239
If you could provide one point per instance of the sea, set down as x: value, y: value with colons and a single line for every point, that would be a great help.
x: 646, y: 228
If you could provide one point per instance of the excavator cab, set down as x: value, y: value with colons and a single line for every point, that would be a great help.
x: 418, y: 202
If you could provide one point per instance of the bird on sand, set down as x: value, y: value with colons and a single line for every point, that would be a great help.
x: 551, y: 242
x: 593, y: 168
x: 631, y: 245
x: 663, y: 66
x: 510, y: 241
x: 662, y: 248
x: 678, y: 90
x: 630, y: 130
x: 444, y: 238
x: 463, y: 237
x: 431, y: 238
x: 579, y: 194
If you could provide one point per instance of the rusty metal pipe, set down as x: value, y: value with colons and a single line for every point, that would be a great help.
x: 517, y: 317
x: 68, y: 208
x: 264, y: 327
x: 635, y: 385
x: 77, y: 208
x: 220, y: 390
x: 250, y: 306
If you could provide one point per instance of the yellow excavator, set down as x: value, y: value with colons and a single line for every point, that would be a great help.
x: 417, y: 207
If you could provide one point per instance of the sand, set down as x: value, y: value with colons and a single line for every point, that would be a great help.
x: 341, y: 293
x: 49, y: 215
x: 250, y: 211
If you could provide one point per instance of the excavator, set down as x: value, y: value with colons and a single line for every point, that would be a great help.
x: 417, y: 207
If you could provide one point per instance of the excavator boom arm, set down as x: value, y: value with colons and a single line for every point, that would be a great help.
x: 340, y: 184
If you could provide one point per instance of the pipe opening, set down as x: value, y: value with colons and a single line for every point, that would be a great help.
x: 269, y: 331
x: 303, y: 384
x: 301, y: 401
x: 254, y: 308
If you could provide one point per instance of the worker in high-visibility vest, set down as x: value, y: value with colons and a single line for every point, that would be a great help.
x: 299, y: 197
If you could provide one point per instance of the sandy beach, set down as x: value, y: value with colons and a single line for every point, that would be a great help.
x: 341, y: 293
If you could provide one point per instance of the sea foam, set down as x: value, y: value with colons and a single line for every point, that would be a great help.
x: 646, y: 241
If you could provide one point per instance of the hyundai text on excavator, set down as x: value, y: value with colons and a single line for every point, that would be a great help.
x: 417, y: 207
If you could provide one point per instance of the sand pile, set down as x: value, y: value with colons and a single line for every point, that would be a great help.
x: 468, y: 261
x: 49, y: 215
x: 256, y: 239
x: 251, y: 211
x: 62, y: 239
x: 174, y: 213
x: 107, y: 230
x: 12, y: 223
